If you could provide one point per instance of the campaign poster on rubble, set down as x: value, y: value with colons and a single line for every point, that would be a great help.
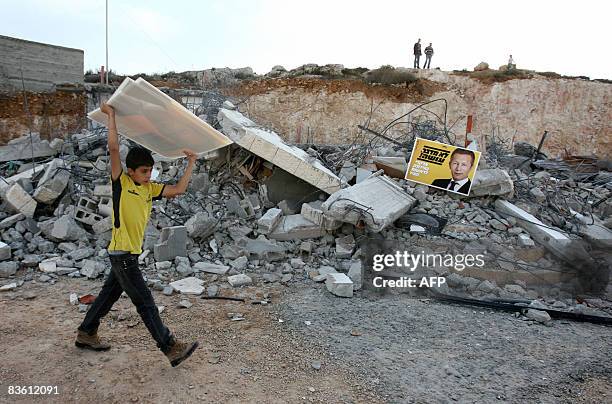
x: 442, y: 166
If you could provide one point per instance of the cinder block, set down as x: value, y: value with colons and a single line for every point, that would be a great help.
x: 105, y: 206
x: 172, y: 244
x: 20, y: 201
x: 87, y: 204
x: 86, y: 217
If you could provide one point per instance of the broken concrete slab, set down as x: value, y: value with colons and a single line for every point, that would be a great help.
x: 241, y: 208
x: 313, y: 211
x: 210, y: 268
x: 345, y: 246
x: 262, y: 248
x: 53, y: 182
x: 63, y: 229
x: 19, y: 200
x: 493, y: 181
x: 172, y: 243
x: 339, y: 284
x: 26, y: 150
x: 296, y: 227
x: 188, y: 286
x: 200, y: 225
x: 594, y: 230
x: 378, y: 201
x: 269, y: 146
x: 239, y: 280
x: 551, y: 238
x: 269, y: 220
x: 395, y: 167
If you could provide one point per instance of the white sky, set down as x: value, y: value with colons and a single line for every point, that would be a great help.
x: 156, y: 36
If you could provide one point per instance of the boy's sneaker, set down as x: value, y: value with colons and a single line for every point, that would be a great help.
x: 84, y: 340
x: 180, y: 351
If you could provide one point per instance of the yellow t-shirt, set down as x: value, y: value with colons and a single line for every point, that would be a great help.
x: 131, y: 211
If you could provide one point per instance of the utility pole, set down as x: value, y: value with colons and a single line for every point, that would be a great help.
x: 107, y: 69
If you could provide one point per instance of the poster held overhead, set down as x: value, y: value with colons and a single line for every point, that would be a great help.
x: 152, y: 119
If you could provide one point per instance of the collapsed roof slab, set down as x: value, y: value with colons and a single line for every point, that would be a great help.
x: 269, y: 146
x: 378, y: 201
x: 554, y: 240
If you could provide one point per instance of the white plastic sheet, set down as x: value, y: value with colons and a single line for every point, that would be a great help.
x: 152, y: 119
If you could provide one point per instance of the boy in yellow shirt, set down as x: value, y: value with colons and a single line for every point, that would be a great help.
x: 133, y: 194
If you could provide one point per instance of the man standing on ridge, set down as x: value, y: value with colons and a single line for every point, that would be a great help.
x: 417, y: 53
x: 428, y: 53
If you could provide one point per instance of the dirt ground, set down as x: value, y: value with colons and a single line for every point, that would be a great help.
x: 367, y: 350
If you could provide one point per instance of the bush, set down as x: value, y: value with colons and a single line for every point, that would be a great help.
x: 389, y: 75
x: 354, y: 72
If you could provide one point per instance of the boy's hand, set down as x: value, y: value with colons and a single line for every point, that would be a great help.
x: 107, y: 109
x: 190, y: 154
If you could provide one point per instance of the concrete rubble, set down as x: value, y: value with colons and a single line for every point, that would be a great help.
x: 238, y: 229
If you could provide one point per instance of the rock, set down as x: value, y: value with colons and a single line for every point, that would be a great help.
x: 185, y: 304
x: 269, y: 220
x: 321, y: 274
x: 481, y: 66
x: 11, y: 220
x: 162, y: 265
x: 496, y: 224
x: 492, y: 182
x: 168, y: 290
x: 515, y: 289
x: 210, y: 268
x: 8, y: 268
x: 239, y: 280
x: 48, y: 266
x: 53, y: 182
x: 538, y: 194
x: 212, y: 290
x: 62, y: 229
x: 239, y: 263
x: 525, y: 241
x: 82, y: 253
x: 486, y: 287
x: 201, y: 225
x: 345, y: 246
x: 5, y: 251
x: 8, y: 287
x: 19, y: 200
x: 92, y: 269
x: 356, y: 274
x: 339, y: 284
x: 538, y: 315
x: 172, y: 243
x: 297, y: 263
x: 188, y: 286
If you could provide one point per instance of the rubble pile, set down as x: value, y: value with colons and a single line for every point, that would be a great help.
x: 231, y: 229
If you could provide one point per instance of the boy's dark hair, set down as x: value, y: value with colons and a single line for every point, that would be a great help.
x: 137, y: 157
x: 463, y: 151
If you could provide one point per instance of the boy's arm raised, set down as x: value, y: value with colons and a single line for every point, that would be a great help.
x: 113, y: 141
x: 180, y: 187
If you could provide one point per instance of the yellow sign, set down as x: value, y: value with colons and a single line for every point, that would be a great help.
x: 442, y: 166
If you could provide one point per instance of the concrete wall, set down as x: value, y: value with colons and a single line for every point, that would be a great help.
x: 43, y: 65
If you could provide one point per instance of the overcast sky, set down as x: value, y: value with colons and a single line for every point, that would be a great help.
x: 155, y: 36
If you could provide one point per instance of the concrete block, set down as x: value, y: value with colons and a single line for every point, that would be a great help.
x: 8, y: 268
x: 339, y: 284
x: 356, y: 274
x: 103, y: 190
x: 87, y: 204
x: 345, y: 246
x: 19, y: 200
x: 86, y: 216
x: 188, y: 286
x: 210, y: 268
x: 5, y: 251
x: 538, y: 315
x: 105, y: 206
x: 11, y: 220
x: 377, y: 201
x: 53, y: 182
x: 269, y: 220
x: 200, y: 225
x: 239, y: 280
x: 296, y: 227
x: 241, y: 208
x: 492, y: 182
x: 525, y: 241
x: 48, y: 266
x: 172, y: 243
x: 594, y: 230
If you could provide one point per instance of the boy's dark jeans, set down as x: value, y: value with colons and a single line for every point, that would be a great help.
x: 126, y: 276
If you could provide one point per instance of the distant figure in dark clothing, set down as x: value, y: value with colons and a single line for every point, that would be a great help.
x: 428, y: 54
x: 417, y: 54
